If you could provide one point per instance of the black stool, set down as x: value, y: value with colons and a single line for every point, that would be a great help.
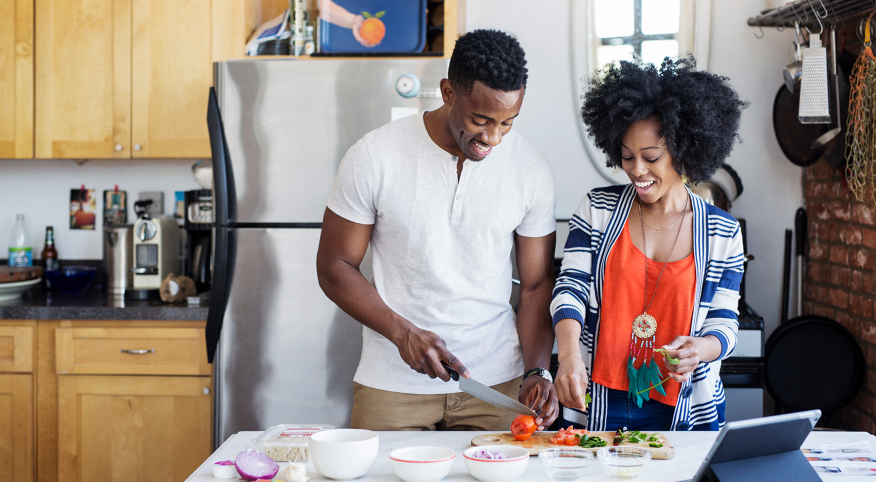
x: 813, y: 362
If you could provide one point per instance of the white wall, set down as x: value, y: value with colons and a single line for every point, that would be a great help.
x: 40, y: 189
x: 548, y: 120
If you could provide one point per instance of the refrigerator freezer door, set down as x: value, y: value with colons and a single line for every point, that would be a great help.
x: 288, y: 124
x: 287, y: 354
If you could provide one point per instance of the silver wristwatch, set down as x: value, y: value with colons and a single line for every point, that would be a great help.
x: 539, y: 372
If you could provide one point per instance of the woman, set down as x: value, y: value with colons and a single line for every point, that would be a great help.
x: 650, y: 275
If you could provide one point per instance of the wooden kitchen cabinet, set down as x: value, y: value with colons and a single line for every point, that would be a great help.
x: 127, y: 78
x: 17, y: 400
x: 145, y: 428
x: 121, y: 400
x: 16, y: 78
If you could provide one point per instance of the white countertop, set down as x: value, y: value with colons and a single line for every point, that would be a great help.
x: 690, y: 450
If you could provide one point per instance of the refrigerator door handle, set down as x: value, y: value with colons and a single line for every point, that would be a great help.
x: 224, y: 192
x: 223, y: 267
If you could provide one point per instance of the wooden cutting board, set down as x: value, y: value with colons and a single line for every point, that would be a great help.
x: 10, y: 274
x: 542, y: 440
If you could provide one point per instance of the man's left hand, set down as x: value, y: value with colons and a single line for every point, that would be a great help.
x: 539, y: 395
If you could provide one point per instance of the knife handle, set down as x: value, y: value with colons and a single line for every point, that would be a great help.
x: 453, y: 373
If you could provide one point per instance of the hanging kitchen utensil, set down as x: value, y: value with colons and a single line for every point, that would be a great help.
x: 793, y: 137
x: 829, y: 139
x: 814, y: 107
x: 836, y: 157
x: 801, y: 234
x: 786, y: 277
x: 860, y: 145
x: 793, y: 70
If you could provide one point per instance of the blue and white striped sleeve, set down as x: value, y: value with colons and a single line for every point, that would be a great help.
x: 571, y: 293
x: 723, y: 278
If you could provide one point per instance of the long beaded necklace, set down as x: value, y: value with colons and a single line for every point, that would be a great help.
x: 645, y: 327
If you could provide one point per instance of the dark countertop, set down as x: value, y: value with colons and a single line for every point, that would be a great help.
x: 36, y: 304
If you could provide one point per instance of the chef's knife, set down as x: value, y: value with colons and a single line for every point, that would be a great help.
x: 487, y: 394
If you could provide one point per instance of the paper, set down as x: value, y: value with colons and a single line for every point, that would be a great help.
x: 854, y: 458
x: 82, y: 208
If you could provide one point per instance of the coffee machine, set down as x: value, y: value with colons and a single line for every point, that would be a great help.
x: 199, y: 237
x: 156, y: 251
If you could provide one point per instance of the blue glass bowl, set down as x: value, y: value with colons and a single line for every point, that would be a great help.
x: 70, y: 279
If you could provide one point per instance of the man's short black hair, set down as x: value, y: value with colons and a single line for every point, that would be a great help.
x: 698, y: 111
x: 491, y: 57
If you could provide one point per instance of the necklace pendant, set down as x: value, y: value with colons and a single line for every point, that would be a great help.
x: 644, y: 326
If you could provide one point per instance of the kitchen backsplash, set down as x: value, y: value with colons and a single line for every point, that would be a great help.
x: 40, y: 189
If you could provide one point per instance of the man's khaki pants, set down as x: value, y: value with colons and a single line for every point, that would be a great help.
x: 375, y: 409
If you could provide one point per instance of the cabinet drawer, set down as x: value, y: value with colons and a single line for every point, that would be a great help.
x: 16, y: 349
x: 131, y: 351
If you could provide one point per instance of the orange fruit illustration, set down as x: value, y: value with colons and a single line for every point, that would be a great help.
x: 372, y: 29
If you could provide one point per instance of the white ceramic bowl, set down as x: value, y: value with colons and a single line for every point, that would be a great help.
x: 421, y: 464
x: 343, y: 454
x: 624, y: 462
x: 565, y: 463
x: 501, y: 470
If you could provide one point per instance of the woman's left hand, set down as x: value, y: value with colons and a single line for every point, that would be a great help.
x: 690, y: 351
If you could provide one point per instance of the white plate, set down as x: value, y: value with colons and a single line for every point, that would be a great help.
x: 12, y: 291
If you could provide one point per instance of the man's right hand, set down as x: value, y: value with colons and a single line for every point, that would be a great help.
x: 424, y: 351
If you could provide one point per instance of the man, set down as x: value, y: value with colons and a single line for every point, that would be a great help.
x: 442, y: 197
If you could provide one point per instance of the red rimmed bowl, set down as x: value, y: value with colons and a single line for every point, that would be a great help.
x: 511, y: 466
x: 421, y: 464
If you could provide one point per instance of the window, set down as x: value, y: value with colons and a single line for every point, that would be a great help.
x: 648, y: 29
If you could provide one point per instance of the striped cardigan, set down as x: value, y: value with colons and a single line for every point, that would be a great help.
x: 718, y: 258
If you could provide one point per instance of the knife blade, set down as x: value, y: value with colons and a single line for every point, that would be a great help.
x: 487, y: 394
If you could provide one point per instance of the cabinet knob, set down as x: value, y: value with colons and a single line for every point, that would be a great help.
x: 118, y: 148
x: 206, y: 391
x: 136, y: 147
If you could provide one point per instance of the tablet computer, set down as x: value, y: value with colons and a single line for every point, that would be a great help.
x: 758, y: 445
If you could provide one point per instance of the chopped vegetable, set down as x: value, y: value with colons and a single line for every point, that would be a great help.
x: 655, y: 445
x: 254, y: 465
x: 591, y: 441
x: 672, y: 361
x: 523, y: 427
x: 488, y: 454
x: 568, y: 436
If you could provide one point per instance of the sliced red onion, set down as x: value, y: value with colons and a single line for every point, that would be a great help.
x: 253, y: 465
x: 487, y: 454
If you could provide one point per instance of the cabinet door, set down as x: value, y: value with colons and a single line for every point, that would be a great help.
x: 16, y: 426
x: 132, y: 427
x: 175, y: 45
x: 16, y: 78
x: 83, y: 83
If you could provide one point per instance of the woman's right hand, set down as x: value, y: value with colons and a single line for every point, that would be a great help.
x: 571, y: 382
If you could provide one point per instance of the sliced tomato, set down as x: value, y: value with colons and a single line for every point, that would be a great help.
x: 568, y: 436
x: 523, y: 427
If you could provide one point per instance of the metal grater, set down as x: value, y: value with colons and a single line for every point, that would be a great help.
x: 814, y: 108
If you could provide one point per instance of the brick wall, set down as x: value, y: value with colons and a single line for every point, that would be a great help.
x: 840, y: 280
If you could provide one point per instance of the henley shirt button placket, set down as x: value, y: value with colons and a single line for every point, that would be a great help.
x: 455, y: 210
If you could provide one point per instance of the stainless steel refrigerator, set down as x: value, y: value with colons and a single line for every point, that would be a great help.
x: 283, y: 352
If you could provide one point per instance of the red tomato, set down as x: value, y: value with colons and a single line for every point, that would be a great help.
x: 523, y: 427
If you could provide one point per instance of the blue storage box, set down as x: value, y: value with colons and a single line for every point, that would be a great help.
x: 404, y: 23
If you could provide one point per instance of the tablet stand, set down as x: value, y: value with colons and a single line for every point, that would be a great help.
x: 768, y: 468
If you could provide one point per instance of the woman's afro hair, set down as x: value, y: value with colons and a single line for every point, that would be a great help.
x: 698, y: 112
x: 489, y: 56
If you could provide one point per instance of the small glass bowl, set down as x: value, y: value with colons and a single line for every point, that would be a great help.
x: 566, y: 463
x: 624, y: 462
